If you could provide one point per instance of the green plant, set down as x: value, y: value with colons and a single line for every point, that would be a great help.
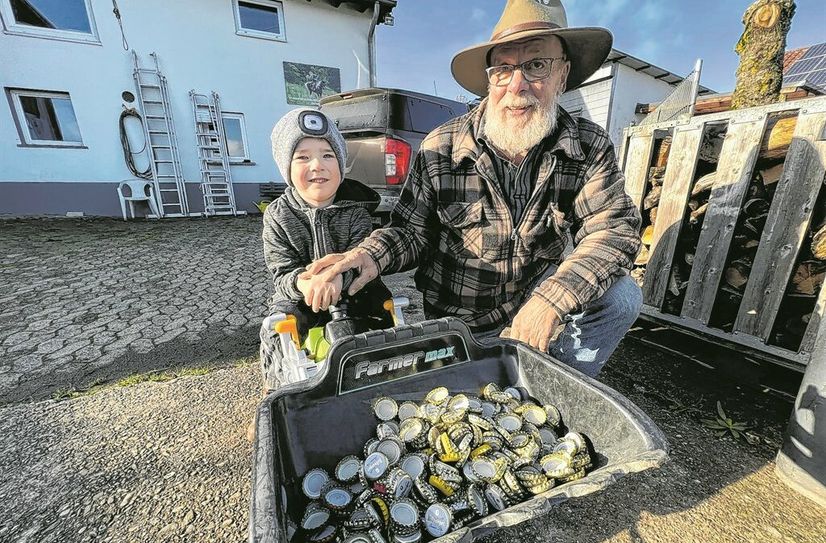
x: 724, y: 424
x: 262, y: 205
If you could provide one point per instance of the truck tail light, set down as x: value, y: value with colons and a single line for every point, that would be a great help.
x: 396, y: 160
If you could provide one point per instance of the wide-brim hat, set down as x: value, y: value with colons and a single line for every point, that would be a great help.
x: 586, y: 47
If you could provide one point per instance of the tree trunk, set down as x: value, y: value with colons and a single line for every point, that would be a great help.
x: 761, y: 49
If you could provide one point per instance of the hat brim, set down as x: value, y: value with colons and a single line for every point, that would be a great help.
x: 587, y: 50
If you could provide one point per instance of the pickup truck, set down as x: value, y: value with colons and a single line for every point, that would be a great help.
x: 383, y: 129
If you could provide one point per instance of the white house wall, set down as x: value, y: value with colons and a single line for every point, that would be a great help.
x: 592, y: 100
x: 199, y: 49
x: 633, y: 87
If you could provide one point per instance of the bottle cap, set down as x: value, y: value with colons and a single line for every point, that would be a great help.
x: 437, y: 396
x: 496, y: 497
x: 411, y: 429
x: 404, y: 516
x: 315, y: 516
x: 509, y: 422
x: 437, y: 519
x: 324, y: 535
x: 399, y: 483
x: 347, y: 470
x: 375, y: 466
x: 387, y: 429
x: 392, y: 447
x: 413, y: 464
x: 408, y: 410
x: 313, y: 481
x: 477, y: 500
x: 385, y: 408
x: 336, y: 497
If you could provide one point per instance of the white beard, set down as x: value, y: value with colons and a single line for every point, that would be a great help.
x: 516, y: 137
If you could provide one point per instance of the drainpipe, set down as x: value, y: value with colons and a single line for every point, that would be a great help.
x: 371, y: 43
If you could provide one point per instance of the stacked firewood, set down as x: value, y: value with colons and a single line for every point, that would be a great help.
x: 810, y: 267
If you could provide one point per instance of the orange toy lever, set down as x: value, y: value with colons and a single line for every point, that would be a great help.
x: 289, y: 325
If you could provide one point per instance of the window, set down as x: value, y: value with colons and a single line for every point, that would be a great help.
x: 46, y: 118
x: 236, y: 134
x: 260, y: 19
x: 59, y: 19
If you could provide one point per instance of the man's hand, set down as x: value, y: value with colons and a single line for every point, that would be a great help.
x: 335, y: 264
x: 318, y: 292
x: 536, y: 324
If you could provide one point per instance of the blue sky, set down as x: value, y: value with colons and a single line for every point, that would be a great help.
x: 671, y: 34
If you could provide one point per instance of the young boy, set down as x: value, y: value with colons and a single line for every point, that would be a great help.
x: 319, y: 213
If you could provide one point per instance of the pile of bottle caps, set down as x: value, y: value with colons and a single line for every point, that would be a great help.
x: 436, y: 465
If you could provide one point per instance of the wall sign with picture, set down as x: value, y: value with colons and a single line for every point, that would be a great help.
x: 306, y: 83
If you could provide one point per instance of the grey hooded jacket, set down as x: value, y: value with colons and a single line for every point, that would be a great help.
x: 295, y: 234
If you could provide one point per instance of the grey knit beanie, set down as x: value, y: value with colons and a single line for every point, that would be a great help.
x: 299, y: 124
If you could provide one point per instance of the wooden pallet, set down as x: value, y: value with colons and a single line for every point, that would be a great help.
x: 782, y: 238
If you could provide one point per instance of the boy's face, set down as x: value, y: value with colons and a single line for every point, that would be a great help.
x: 314, y: 171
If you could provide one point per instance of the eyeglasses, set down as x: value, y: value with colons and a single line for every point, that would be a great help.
x: 532, y: 70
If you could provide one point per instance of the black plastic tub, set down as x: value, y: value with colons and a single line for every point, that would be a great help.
x: 317, y: 422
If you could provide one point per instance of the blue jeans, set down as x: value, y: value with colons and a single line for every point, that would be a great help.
x: 591, y: 336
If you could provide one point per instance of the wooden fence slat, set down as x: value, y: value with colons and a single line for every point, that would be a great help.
x: 679, y: 173
x: 640, y: 148
x: 786, y: 226
x: 734, y: 171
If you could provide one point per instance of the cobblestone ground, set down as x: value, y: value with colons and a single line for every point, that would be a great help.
x: 83, y: 301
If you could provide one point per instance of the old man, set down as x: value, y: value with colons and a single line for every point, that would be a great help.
x: 494, y: 195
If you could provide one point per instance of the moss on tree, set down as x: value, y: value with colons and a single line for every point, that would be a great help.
x: 761, y: 49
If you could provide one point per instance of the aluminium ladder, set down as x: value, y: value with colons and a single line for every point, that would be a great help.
x: 213, y: 157
x: 161, y: 141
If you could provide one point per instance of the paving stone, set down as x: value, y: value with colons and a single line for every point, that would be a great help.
x: 50, y: 346
x: 108, y: 287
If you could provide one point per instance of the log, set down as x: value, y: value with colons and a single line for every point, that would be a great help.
x: 761, y: 48
x: 819, y: 244
x: 656, y: 175
x: 771, y: 175
x: 712, y: 143
x: 662, y: 152
x: 643, y: 256
x: 808, y: 278
x: 652, y: 199
x: 779, y: 133
x: 648, y: 235
x: 737, y: 273
x: 703, y: 184
x: 756, y: 207
x: 698, y: 214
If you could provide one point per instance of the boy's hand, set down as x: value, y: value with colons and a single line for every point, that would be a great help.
x: 318, y: 292
x: 335, y: 264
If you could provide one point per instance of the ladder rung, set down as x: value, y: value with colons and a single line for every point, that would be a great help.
x: 148, y: 86
x: 169, y: 190
x: 155, y: 116
x: 166, y: 132
x: 163, y: 162
x: 152, y: 102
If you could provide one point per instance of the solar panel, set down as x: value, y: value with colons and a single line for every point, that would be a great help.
x: 809, y: 69
x: 803, y: 66
x: 815, y: 51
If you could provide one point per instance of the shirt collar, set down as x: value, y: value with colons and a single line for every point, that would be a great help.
x: 469, y: 142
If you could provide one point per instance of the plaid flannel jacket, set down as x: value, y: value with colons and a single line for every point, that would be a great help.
x: 452, y: 222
